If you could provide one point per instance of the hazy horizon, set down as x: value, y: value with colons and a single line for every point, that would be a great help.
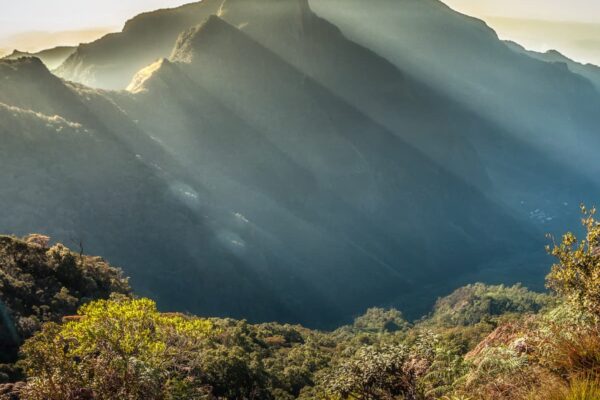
x: 538, y: 25
x: 542, y: 25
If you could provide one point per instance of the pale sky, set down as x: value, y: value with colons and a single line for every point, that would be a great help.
x: 572, y: 27
x: 36, y: 24
x: 550, y: 10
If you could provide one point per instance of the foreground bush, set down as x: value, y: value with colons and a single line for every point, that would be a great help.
x: 120, y: 349
x: 576, y: 275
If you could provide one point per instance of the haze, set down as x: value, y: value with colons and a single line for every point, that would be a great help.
x: 540, y: 25
x: 32, y: 25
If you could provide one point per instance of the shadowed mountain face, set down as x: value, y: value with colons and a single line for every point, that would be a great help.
x: 540, y: 103
x: 78, y: 179
x: 271, y: 168
x: 328, y: 166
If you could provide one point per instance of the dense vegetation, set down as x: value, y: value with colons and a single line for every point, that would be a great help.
x: 481, y: 342
x: 41, y: 283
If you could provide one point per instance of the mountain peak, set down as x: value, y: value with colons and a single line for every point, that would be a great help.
x: 295, y: 15
x: 189, y: 41
x: 161, y: 70
x: 148, y: 21
x: 17, y: 52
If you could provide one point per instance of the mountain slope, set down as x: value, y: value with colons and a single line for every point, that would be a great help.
x: 354, y: 186
x: 273, y: 169
x: 543, y: 104
x: 410, y: 109
x: 68, y: 174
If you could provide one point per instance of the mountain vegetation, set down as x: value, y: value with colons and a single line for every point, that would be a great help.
x: 41, y: 283
x: 480, y: 342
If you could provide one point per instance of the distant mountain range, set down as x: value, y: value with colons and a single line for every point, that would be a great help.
x: 588, y: 71
x: 280, y: 160
x: 52, y: 58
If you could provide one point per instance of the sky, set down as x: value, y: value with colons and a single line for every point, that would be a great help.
x: 572, y: 27
x: 36, y: 24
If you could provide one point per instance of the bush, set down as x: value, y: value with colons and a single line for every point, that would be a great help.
x: 388, y: 372
x: 116, y: 349
x: 478, y: 303
x: 576, y: 275
x: 381, y: 320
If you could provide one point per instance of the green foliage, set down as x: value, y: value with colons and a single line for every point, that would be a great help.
x: 576, y: 275
x: 41, y: 283
x: 117, y: 349
x: 477, y: 303
x: 385, y: 372
x: 381, y: 320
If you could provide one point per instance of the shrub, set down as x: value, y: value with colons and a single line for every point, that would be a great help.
x: 120, y: 349
x: 478, y: 303
x: 381, y: 320
x: 388, y: 372
x: 576, y: 275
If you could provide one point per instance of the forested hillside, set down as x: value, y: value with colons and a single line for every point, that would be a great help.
x: 480, y: 342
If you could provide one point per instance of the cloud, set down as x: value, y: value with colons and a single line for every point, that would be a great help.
x: 39, y: 40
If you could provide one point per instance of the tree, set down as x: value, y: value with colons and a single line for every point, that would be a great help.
x: 576, y: 275
x: 381, y: 320
x: 119, y: 348
x: 385, y: 373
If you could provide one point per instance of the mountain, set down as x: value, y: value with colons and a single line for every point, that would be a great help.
x: 295, y: 196
x: 77, y: 169
x: 408, y: 108
x: 419, y: 109
x: 550, y: 107
x: 269, y: 166
x: 324, y: 166
x: 589, y: 71
x: 52, y: 58
x: 111, y: 61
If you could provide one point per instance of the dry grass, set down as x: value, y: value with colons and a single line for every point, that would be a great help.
x: 576, y: 389
x: 575, y: 353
